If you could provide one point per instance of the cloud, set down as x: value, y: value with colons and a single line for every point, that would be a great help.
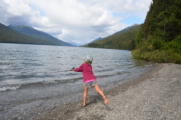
x: 78, y: 21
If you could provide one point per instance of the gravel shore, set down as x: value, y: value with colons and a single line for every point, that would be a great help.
x: 155, y: 95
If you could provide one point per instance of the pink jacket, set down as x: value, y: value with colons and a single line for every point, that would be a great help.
x: 87, y: 73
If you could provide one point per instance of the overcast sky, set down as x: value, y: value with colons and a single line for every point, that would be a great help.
x: 78, y: 21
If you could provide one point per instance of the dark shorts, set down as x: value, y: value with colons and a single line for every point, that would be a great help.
x: 90, y: 84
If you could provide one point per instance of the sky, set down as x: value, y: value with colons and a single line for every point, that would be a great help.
x: 78, y: 21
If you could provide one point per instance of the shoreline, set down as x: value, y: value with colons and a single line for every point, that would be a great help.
x: 154, y: 95
x: 33, y: 101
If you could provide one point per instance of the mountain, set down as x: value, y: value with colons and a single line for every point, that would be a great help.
x: 99, y: 38
x: 123, y: 39
x: 8, y: 35
x: 127, y: 28
x: 74, y: 44
x: 38, y: 34
x: 159, y: 38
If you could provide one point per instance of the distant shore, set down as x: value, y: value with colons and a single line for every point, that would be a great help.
x: 154, y: 95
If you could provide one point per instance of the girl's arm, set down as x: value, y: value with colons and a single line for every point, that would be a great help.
x: 80, y: 69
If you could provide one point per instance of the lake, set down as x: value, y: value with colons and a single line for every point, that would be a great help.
x: 40, y: 74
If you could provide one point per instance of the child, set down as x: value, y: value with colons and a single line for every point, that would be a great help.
x: 89, y: 79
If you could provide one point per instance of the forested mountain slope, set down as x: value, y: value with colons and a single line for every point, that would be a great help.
x: 38, y: 34
x: 159, y: 38
x: 7, y: 35
x: 120, y: 40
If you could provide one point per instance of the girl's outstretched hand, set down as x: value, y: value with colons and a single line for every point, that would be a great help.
x: 72, y: 69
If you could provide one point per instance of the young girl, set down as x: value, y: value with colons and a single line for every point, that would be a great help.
x: 89, y: 79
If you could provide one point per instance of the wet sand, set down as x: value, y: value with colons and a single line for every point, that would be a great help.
x: 156, y: 95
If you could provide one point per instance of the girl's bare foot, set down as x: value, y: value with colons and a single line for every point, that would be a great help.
x: 84, y: 104
x: 105, y: 101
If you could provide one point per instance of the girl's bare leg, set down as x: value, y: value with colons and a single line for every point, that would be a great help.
x: 85, y: 95
x: 97, y: 88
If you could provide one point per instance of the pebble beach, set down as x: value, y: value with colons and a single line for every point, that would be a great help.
x: 156, y: 95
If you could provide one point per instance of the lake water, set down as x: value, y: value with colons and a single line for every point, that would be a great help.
x: 34, y: 64
x: 40, y: 74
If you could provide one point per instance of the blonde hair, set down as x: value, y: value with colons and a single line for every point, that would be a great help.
x: 90, y: 63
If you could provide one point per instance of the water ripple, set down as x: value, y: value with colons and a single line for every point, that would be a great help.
x: 28, y: 64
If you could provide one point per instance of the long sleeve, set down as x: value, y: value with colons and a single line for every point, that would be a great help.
x: 80, y: 69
